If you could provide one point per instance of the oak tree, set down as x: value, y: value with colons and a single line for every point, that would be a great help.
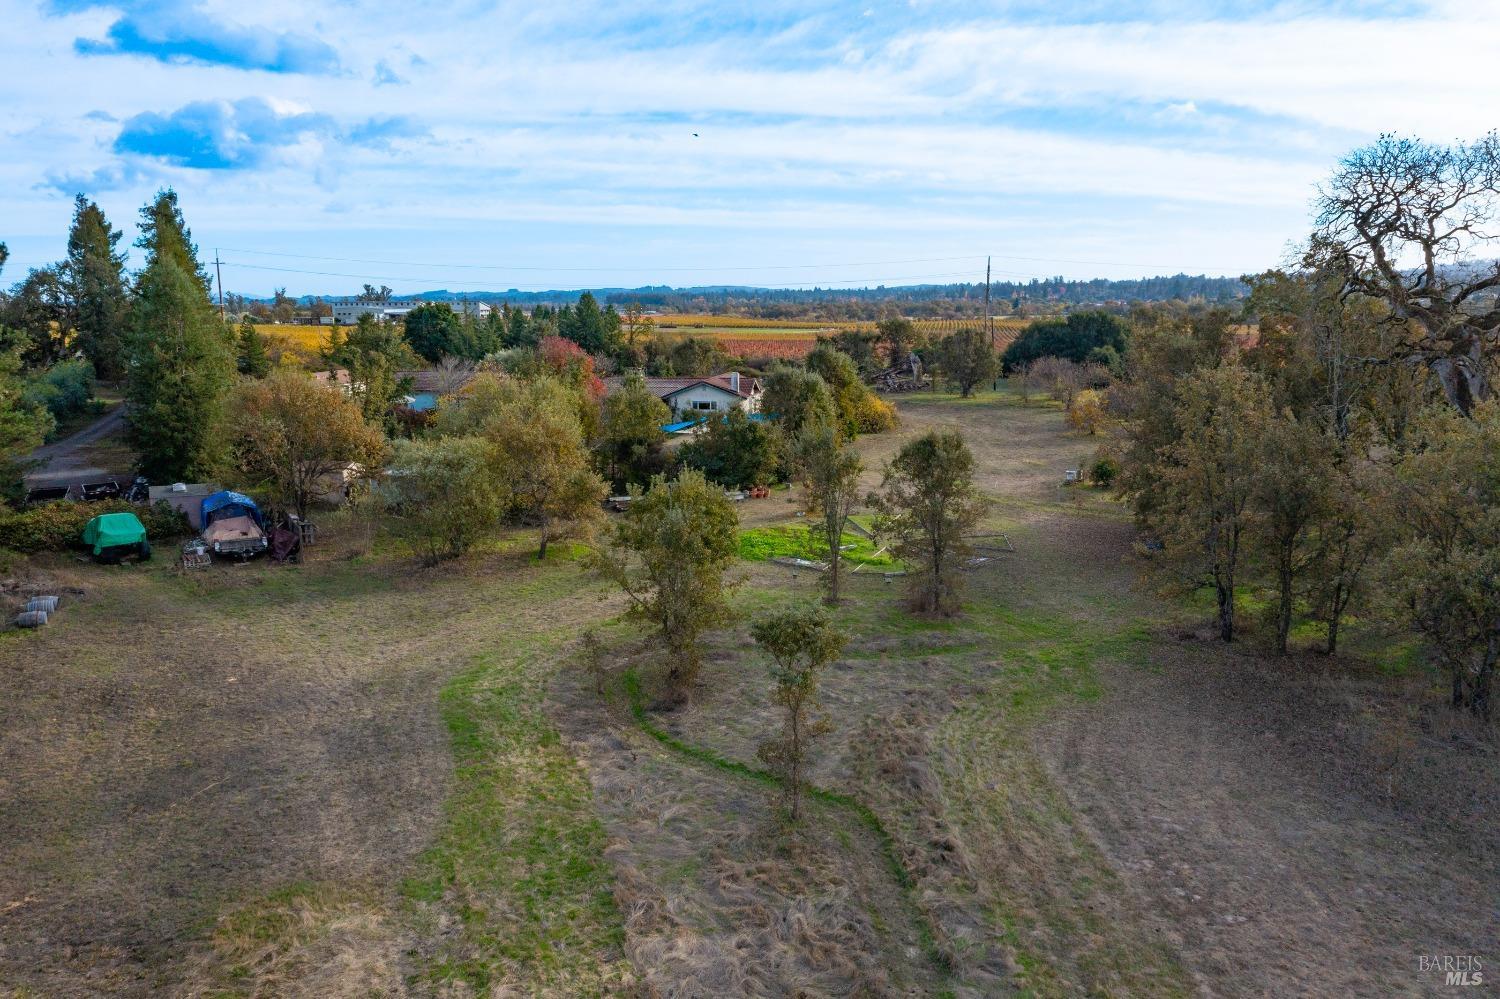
x: 800, y: 643
x: 928, y: 504
x: 670, y: 552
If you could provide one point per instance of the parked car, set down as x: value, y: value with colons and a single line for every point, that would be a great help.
x: 233, y: 525
x: 117, y: 536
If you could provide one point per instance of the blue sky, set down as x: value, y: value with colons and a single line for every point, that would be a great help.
x: 499, y: 145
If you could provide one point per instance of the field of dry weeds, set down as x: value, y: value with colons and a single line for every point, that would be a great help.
x: 357, y: 777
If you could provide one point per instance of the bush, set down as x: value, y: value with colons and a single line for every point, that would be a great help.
x: 873, y: 415
x: 734, y: 451
x: 446, y: 494
x: 59, y: 526
x: 1104, y: 470
x: 65, y: 389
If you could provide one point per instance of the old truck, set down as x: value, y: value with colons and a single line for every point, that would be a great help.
x: 233, y: 526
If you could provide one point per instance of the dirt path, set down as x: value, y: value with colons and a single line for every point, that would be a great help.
x: 68, y: 460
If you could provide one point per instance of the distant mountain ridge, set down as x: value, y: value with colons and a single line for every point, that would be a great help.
x: 962, y: 297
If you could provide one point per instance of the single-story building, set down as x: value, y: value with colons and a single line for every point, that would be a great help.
x: 696, y: 397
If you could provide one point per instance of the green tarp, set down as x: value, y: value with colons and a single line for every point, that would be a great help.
x: 110, y: 529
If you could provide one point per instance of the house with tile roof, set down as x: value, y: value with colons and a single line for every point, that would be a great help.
x: 692, y: 397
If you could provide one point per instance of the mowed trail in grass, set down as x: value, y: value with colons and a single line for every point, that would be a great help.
x: 332, y: 779
x: 933, y: 720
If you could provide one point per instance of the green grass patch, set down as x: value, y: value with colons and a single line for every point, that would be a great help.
x: 761, y: 544
x: 519, y: 860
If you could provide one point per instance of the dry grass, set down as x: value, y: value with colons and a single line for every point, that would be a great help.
x: 179, y: 748
x: 719, y: 897
x: 361, y: 778
x: 303, y: 940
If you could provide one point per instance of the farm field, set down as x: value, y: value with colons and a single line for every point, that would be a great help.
x: 305, y: 342
x: 360, y: 777
x: 739, y: 335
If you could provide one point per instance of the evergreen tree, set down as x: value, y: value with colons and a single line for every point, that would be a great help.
x: 181, y: 362
x: 589, y: 326
x: 631, y: 441
x: 968, y: 360
x: 94, y: 280
x: 435, y: 331
x: 734, y: 451
x: 831, y: 474
x: 670, y: 553
x: 24, y: 423
x: 37, y: 308
x: 252, y: 360
x: 164, y: 235
x: 1073, y: 338
x: 372, y: 353
x: 800, y: 642
x: 519, y: 331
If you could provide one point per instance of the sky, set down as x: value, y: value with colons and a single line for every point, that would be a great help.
x: 495, y: 145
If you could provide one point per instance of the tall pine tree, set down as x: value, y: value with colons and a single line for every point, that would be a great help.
x: 181, y: 360
x: 252, y: 358
x: 94, y: 280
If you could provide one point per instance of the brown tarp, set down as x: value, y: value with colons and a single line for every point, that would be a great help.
x: 232, y: 529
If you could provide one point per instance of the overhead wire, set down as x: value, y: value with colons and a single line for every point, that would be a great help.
x: 598, y: 270
x: 438, y: 279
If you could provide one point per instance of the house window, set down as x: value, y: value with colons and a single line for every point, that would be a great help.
x: 706, y: 404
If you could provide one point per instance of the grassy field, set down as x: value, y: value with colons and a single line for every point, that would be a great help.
x: 358, y: 777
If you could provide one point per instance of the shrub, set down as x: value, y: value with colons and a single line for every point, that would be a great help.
x: 873, y: 415
x: 59, y: 526
x: 1104, y: 470
x: 446, y: 494
x: 65, y: 389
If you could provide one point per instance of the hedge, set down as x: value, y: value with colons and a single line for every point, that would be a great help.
x: 59, y: 526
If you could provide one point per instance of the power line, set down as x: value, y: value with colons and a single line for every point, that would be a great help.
x: 763, y: 267
x: 1204, y: 268
x: 482, y: 284
x: 599, y: 270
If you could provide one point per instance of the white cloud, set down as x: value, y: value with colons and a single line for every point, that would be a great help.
x: 810, y: 125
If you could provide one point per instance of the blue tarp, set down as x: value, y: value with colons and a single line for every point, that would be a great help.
x: 672, y: 428
x: 230, y: 504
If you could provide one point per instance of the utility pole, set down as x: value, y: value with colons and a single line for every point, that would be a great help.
x: 220, y: 274
x: 989, y: 326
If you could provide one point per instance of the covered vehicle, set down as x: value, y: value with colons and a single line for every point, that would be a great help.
x: 233, y: 525
x: 114, y: 536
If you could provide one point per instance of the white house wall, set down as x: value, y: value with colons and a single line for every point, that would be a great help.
x: 684, y: 400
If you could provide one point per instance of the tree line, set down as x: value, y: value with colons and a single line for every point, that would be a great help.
x: 946, y: 301
x: 1343, y: 460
